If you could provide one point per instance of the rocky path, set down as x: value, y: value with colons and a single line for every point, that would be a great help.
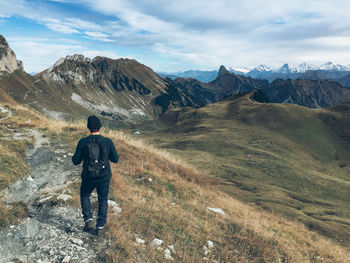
x: 52, y: 232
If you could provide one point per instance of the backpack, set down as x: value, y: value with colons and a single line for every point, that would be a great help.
x: 97, y: 162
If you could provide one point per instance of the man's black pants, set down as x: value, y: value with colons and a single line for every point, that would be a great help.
x: 86, y: 189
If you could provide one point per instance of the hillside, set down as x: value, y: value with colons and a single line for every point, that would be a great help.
x: 284, y: 158
x: 159, y: 196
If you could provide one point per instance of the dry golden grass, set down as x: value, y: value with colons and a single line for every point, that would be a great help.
x: 244, y: 234
x: 173, y: 207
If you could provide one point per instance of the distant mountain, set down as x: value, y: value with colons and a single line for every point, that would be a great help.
x: 228, y: 83
x: 345, y: 80
x: 239, y: 71
x: 329, y: 70
x: 308, y: 93
x: 204, y: 76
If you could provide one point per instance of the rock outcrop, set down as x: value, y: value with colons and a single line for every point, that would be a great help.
x: 8, y: 60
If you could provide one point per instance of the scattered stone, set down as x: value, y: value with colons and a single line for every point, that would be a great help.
x: 150, y: 180
x: 216, y: 210
x: 210, y: 244
x: 114, y: 206
x: 77, y: 241
x: 29, y: 178
x: 167, y: 254
x: 205, y: 259
x: 3, y: 110
x: 157, y: 243
x: 137, y: 132
x: 140, y: 241
x: 12, y: 226
x: 70, y: 154
x: 66, y: 259
x: 206, y: 250
x: 64, y: 197
x: 64, y: 156
x: 172, y: 248
x: 44, y: 199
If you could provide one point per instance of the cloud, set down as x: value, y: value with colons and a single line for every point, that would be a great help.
x: 98, y: 36
x: 61, y: 27
x: 41, y: 53
x: 232, y: 31
x: 205, y: 33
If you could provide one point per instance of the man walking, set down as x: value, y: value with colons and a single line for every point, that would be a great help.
x: 95, y: 151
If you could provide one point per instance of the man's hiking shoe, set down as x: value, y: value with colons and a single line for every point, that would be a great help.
x: 100, y: 231
x: 89, y: 225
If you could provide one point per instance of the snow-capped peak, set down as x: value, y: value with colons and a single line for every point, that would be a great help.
x: 263, y: 68
x: 239, y: 70
x: 333, y: 67
x: 301, y: 68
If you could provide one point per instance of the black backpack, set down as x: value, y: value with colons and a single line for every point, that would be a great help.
x: 96, y: 166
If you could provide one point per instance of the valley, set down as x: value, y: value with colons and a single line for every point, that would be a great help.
x: 287, y: 159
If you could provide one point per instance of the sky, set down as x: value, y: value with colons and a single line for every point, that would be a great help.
x: 177, y: 35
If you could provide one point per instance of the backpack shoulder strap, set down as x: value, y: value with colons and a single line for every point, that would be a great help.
x: 103, y: 147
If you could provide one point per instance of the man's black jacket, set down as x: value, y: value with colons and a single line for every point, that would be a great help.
x: 81, y: 154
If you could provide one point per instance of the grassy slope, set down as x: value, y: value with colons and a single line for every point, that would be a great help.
x: 284, y: 158
x: 173, y: 207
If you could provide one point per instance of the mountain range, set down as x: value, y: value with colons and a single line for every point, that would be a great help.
x: 124, y: 89
x: 304, y: 70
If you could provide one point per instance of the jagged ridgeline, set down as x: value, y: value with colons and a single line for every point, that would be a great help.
x: 124, y: 89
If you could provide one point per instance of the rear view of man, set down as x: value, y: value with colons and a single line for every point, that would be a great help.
x: 95, y: 151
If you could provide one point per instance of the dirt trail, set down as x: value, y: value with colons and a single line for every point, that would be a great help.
x: 51, y: 233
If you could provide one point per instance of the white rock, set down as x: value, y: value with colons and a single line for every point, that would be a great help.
x: 167, y: 252
x: 77, y: 241
x: 12, y: 226
x: 216, y: 210
x: 64, y: 156
x: 66, y: 259
x: 210, y: 244
x: 70, y: 154
x: 114, y: 206
x: 140, y: 241
x: 206, y: 250
x: 157, y: 242
x: 137, y: 132
x: 29, y: 178
x: 64, y: 197
x: 150, y: 179
x: 44, y: 199
x: 3, y: 110
x: 172, y: 248
x: 205, y: 259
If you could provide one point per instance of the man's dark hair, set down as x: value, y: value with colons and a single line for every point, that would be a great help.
x: 94, y: 124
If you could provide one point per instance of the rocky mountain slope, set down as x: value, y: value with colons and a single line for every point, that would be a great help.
x: 121, y: 88
x: 8, y: 60
x: 310, y: 93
